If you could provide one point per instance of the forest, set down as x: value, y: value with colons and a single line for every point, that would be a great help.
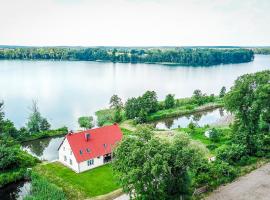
x: 170, y: 56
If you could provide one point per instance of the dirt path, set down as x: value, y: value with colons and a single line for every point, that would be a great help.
x: 253, y: 186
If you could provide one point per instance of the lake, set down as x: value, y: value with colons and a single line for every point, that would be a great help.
x: 66, y: 90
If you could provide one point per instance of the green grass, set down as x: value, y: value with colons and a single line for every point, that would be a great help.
x: 95, y: 182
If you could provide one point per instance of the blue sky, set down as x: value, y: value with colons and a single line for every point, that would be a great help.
x: 135, y: 22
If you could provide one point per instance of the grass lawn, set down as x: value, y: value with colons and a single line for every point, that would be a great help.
x: 95, y: 182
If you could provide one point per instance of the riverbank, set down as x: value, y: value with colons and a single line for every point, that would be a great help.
x: 44, y: 134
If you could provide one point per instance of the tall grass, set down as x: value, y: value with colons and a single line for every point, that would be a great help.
x: 41, y: 189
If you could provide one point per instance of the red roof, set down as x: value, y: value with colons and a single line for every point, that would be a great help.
x: 100, y: 142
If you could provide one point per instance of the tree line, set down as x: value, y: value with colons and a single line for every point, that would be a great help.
x: 139, y: 108
x: 180, y: 56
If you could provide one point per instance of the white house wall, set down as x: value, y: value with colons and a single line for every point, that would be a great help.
x: 97, y: 162
x: 65, y: 150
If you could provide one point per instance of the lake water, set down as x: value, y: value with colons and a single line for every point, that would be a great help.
x: 201, y: 119
x: 66, y: 90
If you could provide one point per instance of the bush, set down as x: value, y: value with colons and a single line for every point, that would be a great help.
x: 231, y: 153
x: 214, y: 135
x: 214, y: 174
x: 247, y: 160
x: 211, y: 147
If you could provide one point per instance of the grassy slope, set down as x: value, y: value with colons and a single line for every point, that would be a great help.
x: 91, y: 183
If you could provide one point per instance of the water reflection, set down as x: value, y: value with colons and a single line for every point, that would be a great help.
x: 201, y: 118
x: 44, y: 149
x: 15, y: 191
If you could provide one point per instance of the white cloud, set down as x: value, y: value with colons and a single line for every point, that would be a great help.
x: 134, y: 22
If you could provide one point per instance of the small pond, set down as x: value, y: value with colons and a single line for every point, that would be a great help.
x: 200, y: 118
x: 45, y: 148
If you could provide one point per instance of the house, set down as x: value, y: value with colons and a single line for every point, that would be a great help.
x: 89, y: 149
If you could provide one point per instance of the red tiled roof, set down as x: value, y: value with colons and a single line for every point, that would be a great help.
x: 108, y: 135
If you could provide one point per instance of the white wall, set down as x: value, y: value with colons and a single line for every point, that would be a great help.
x: 65, y: 150
x: 97, y: 162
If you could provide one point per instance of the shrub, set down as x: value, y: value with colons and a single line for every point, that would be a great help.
x: 214, y: 135
x: 214, y: 174
x: 211, y: 147
x: 231, y: 153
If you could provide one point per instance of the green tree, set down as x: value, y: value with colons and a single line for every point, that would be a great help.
x: 86, y: 122
x: 222, y: 92
x: 44, y: 125
x: 36, y: 122
x: 169, y: 101
x: 249, y: 101
x: 116, y: 102
x: 117, y: 117
x: 149, y: 101
x: 198, y: 97
x: 117, y: 105
x: 151, y: 168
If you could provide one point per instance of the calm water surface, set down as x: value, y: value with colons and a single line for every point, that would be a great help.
x: 44, y: 149
x: 201, y: 118
x: 15, y: 191
x: 66, y: 90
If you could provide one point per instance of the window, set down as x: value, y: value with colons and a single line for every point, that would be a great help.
x: 65, y: 158
x: 70, y: 152
x: 81, y: 152
x: 70, y: 161
x: 98, y: 157
x: 88, y: 150
x: 105, y: 145
x: 64, y: 148
x: 90, y: 162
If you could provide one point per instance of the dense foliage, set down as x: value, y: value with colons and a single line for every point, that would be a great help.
x: 86, y: 122
x: 169, y: 101
x: 138, y: 108
x: 249, y: 100
x: 151, y: 168
x: 183, y: 56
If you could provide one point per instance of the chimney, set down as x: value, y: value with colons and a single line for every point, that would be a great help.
x: 87, y: 137
x: 70, y: 132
